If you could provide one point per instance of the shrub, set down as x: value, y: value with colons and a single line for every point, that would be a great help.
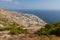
x: 50, y: 29
x: 2, y: 29
x: 18, y: 30
x: 13, y: 31
x: 43, y: 31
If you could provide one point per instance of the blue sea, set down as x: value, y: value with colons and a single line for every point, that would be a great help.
x: 49, y: 16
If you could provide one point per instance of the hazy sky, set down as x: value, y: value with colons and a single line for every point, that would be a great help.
x: 30, y: 4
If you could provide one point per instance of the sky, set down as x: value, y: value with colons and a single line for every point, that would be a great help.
x: 30, y: 4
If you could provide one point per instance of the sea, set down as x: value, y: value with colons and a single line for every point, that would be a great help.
x: 49, y: 16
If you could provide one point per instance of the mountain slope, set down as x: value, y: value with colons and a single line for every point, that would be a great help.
x: 28, y: 21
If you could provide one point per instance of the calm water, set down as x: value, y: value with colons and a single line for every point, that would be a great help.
x: 50, y: 16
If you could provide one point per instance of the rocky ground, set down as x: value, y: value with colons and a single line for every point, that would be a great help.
x: 6, y: 36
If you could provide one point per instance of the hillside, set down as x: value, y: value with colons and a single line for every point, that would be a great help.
x: 14, y: 25
x: 26, y: 20
x: 20, y: 26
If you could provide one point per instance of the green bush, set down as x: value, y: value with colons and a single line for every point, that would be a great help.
x: 2, y: 29
x: 50, y: 29
x: 13, y: 31
x: 43, y: 31
x: 18, y: 30
x: 14, y: 28
x: 6, y: 28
